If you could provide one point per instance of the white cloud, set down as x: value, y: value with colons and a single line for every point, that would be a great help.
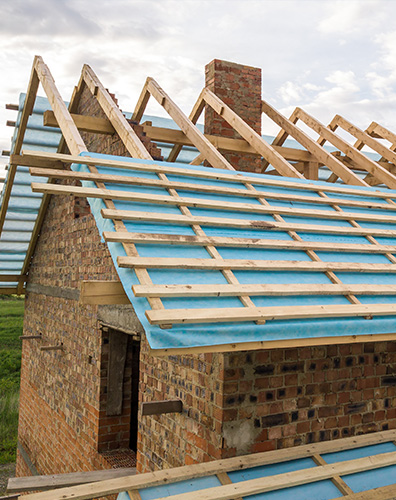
x: 326, y: 56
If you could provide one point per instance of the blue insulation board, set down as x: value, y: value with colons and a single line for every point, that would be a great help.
x: 321, y: 490
x: 210, y: 334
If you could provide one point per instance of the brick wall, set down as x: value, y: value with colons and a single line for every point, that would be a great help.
x: 248, y: 402
x: 240, y: 88
x: 193, y: 436
x: 288, y: 397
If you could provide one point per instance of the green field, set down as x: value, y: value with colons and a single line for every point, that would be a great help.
x: 11, y: 323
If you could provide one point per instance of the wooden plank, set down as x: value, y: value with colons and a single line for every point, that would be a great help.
x: 118, y: 342
x: 194, y: 115
x: 167, y: 219
x: 289, y: 479
x: 166, y: 476
x: 226, y: 241
x: 192, y: 132
x: 336, y: 480
x: 42, y: 159
x: 202, y: 203
x: 230, y: 314
x: 128, y: 136
x: 11, y: 291
x: 224, y: 478
x: 83, y: 122
x: 252, y: 137
x: 382, y: 132
x: 370, y: 166
x: 259, y: 289
x: 382, y: 493
x: 6, y: 278
x: 49, y: 482
x: 69, y: 130
x: 314, y: 148
x: 141, y: 104
x: 167, y: 135
x: 363, y: 137
x: 161, y: 407
x: 245, y: 193
x: 103, y: 292
x: 258, y: 265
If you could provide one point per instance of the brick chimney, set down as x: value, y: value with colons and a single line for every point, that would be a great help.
x: 239, y: 87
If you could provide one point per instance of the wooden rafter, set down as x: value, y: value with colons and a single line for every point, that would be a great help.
x: 194, y: 116
x: 151, y: 88
x: 319, y: 153
x: 252, y: 137
x: 326, y: 134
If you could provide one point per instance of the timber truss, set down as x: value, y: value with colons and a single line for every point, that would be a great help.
x: 347, y: 165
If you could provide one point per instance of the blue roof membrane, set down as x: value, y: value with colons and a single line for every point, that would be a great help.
x: 24, y: 205
x: 321, y: 490
x: 210, y: 334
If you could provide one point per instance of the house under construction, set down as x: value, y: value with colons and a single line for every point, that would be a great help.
x: 202, y: 295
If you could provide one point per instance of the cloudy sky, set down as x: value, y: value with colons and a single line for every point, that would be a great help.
x: 328, y: 56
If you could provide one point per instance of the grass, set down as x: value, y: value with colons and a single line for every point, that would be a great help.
x: 11, y: 327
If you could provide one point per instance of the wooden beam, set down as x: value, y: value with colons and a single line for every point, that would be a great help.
x: 83, y: 122
x: 118, y: 343
x: 252, y: 137
x: 162, y: 218
x: 159, y: 134
x: 49, y: 482
x: 243, y: 192
x: 288, y: 479
x: 128, y: 136
x: 235, y: 242
x: 141, y: 104
x: 103, y: 292
x: 214, y: 290
x: 11, y: 291
x: 9, y: 278
x: 34, y: 158
x: 194, y: 115
x: 379, y: 131
x: 192, y: 132
x: 166, y: 476
x: 161, y: 407
x: 13, y: 107
x: 195, y: 202
x: 370, y: 166
x: 69, y: 130
x: 388, y: 154
x: 381, y: 493
x: 258, y: 265
x: 120, y: 179
x: 314, y: 148
x: 231, y: 314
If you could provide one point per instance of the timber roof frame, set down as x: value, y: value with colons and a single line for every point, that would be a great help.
x: 50, y: 165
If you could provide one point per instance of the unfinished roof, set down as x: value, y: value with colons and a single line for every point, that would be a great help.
x: 358, y: 468
x: 215, y: 259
